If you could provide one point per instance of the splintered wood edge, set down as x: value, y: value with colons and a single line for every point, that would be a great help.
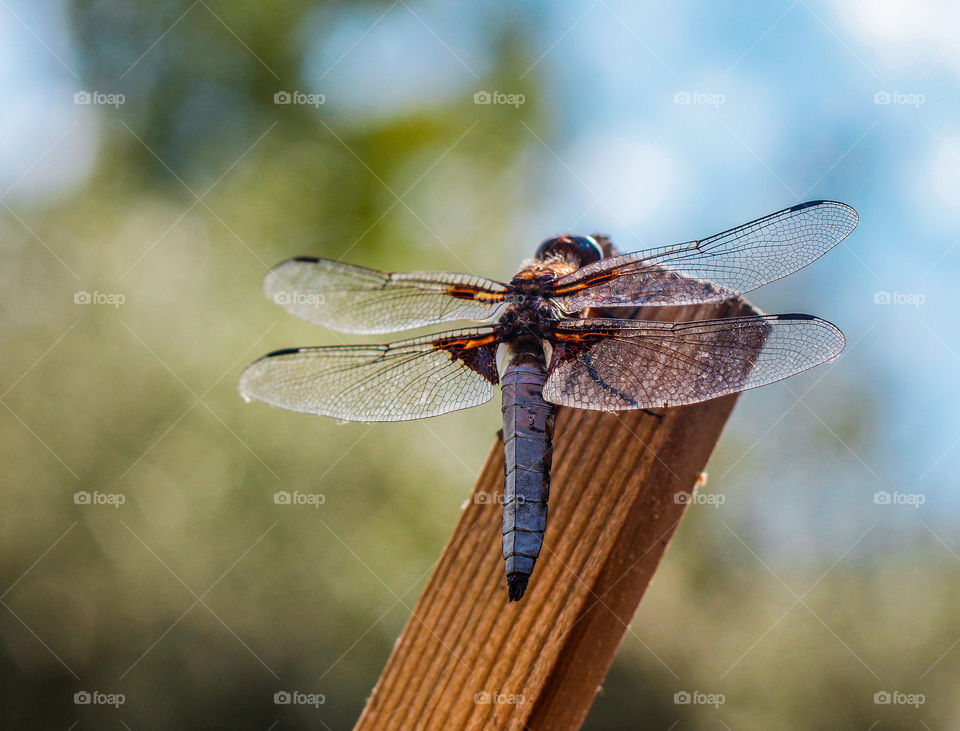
x: 469, y: 659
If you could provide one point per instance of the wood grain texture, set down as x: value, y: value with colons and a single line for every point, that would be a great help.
x: 469, y: 659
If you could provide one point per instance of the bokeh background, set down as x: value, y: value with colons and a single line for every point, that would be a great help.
x: 148, y: 179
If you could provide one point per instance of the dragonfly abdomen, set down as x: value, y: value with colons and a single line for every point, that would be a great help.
x: 528, y: 454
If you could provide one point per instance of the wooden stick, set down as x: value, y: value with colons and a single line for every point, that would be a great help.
x: 469, y: 659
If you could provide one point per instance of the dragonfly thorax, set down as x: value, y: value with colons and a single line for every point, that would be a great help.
x: 527, y: 317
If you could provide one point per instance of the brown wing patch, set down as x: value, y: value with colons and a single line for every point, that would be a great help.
x: 478, y: 354
x: 569, y: 346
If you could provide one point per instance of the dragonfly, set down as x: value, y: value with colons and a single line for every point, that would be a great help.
x: 538, y: 338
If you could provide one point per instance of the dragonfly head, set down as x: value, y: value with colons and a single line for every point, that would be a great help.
x: 579, y: 250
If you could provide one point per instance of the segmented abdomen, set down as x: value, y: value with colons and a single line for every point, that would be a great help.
x: 528, y: 453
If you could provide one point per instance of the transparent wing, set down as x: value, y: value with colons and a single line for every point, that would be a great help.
x: 355, y: 299
x: 411, y: 379
x: 614, y: 365
x: 725, y: 265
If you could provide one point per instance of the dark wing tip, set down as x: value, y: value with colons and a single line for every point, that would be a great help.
x: 271, y: 278
x: 249, y: 373
x: 516, y: 586
x: 294, y: 260
x: 808, y: 204
x: 282, y: 351
x: 839, y: 342
x: 811, y: 204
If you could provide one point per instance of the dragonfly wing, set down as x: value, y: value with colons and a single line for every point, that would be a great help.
x: 355, y: 299
x: 722, y: 266
x: 614, y: 365
x: 410, y: 379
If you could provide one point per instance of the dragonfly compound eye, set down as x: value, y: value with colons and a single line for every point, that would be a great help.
x: 579, y: 250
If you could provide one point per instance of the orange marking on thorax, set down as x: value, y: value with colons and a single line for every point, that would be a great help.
x: 577, y: 286
x: 584, y: 336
